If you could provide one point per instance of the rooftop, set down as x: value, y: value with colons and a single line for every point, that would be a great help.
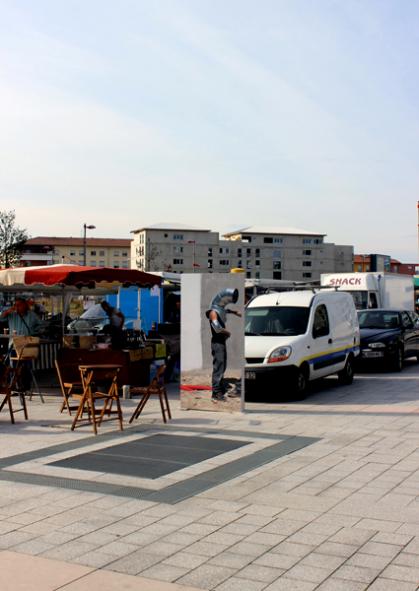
x: 70, y: 241
x: 170, y: 226
x: 274, y: 230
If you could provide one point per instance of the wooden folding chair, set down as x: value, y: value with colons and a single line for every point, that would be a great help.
x: 27, y: 350
x: 155, y: 388
x: 70, y: 391
x: 9, y: 377
x: 91, y: 377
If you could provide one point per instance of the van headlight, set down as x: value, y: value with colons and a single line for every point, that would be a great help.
x: 279, y: 354
x: 377, y: 345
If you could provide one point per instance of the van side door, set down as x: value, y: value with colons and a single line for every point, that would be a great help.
x: 324, y: 360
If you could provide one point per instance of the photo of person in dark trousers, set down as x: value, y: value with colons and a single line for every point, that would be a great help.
x: 217, y: 316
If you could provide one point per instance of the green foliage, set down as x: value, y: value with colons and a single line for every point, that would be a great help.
x: 12, y: 239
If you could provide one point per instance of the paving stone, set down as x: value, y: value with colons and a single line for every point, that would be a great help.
x: 323, y: 561
x: 382, y: 584
x: 14, y: 538
x: 164, y: 572
x: 381, y: 549
x: 406, y: 559
x: 189, y: 561
x: 94, y: 559
x: 334, y: 584
x: 357, y: 573
x: 312, y: 574
x: 33, y: 547
x: 257, y: 572
x: 285, y: 584
x: 69, y: 551
x: 207, y: 576
x: 401, y: 573
x: 206, y: 549
x: 235, y: 584
x: 353, y: 536
x: 337, y: 549
x: 392, y: 538
x: 369, y: 560
x: 119, y: 549
x: 282, y: 561
x: 231, y: 560
x: 134, y: 563
x: 249, y: 549
x: 378, y: 525
x: 293, y: 549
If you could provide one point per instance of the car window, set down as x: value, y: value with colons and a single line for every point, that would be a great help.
x: 320, y: 322
x: 406, y: 320
x: 378, y: 319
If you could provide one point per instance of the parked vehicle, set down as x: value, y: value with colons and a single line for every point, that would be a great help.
x: 374, y: 290
x: 294, y: 337
x: 388, y: 336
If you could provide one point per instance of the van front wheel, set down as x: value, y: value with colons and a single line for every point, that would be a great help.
x: 300, y: 384
x: 346, y: 375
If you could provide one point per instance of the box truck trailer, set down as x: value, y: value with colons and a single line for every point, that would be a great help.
x: 374, y: 290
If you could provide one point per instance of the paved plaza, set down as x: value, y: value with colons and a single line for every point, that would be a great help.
x: 321, y: 494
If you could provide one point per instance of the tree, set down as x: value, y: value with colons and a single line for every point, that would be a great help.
x: 12, y: 239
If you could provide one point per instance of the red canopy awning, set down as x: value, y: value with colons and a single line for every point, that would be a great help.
x: 76, y: 276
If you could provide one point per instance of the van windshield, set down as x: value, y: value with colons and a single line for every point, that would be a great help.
x: 277, y: 321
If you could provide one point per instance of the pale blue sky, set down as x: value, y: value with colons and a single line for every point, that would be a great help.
x: 214, y: 113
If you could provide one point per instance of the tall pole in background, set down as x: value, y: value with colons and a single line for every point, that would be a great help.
x: 85, y: 228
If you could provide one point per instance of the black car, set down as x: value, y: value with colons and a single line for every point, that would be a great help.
x: 388, y: 336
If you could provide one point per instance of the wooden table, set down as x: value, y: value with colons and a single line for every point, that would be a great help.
x: 91, y: 375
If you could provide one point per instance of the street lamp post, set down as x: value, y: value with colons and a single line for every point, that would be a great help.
x: 193, y: 254
x: 85, y: 228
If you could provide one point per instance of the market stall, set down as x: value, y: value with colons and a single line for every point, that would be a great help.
x: 72, y: 350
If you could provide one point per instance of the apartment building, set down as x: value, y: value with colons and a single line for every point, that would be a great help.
x: 262, y: 252
x: 100, y: 252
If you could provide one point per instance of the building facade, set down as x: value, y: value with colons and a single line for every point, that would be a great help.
x: 262, y: 252
x: 100, y: 252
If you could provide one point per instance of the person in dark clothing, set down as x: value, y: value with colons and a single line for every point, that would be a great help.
x: 116, y: 324
x: 217, y: 316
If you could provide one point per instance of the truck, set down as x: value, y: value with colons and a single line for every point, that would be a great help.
x: 374, y: 289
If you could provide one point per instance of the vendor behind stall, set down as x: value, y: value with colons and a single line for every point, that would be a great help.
x: 21, y: 319
x: 116, y: 324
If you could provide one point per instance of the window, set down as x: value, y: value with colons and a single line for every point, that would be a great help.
x: 317, y: 241
x: 307, y: 253
x: 72, y: 253
x: 277, y: 275
x: 306, y: 263
x: 268, y: 240
x: 93, y: 253
x: 276, y: 253
x: 101, y: 253
x: 306, y: 240
x: 178, y: 261
x: 257, y: 252
x: 406, y: 320
x: 116, y: 265
x: 248, y: 252
x: 124, y: 253
x: 224, y: 250
x: 257, y: 262
x: 320, y: 322
x: 239, y: 252
x: 248, y: 264
x: 277, y: 241
x: 239, y: 263
x: 177, y: 236
x: 101, y: 263
x: 178, y: 249
x: 248, y: 274
x: 209, y: 263
x: 116, y: 253
x: 247, y: 238
x: 257, y: 275
x: 306, y: 275
x: 210, y: 251
x: 81, y: 253
x: 224, y: 262
x: 92, y: 263
x: 125, y: 264
x: 276, y: 264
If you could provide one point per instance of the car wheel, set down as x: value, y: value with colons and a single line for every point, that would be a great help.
x: 397, y: 362
x: 346, y: 375
x: 300, y: 384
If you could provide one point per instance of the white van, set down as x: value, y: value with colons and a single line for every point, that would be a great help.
x: 294, y: 337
